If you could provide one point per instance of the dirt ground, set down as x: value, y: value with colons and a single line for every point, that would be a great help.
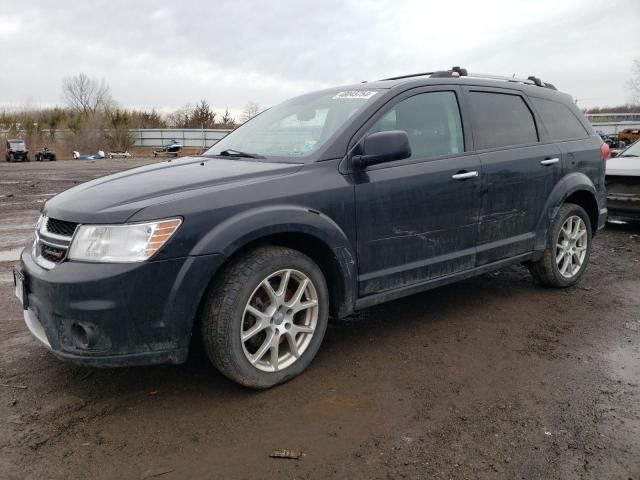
x: 492, y: 378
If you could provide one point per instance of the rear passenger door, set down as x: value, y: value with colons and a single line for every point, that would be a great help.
x: 518, y: 171
x: 579, y: 152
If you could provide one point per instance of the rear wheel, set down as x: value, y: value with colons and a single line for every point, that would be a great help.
x: 265, y: 318
x: 568, y: 249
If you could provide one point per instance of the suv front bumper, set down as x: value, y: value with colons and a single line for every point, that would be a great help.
x: 109, y: 315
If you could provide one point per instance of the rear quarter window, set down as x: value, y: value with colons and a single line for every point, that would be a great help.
x: 561, y: 122
x: 502, y: 120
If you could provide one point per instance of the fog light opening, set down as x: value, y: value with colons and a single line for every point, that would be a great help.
x: 80, y: 335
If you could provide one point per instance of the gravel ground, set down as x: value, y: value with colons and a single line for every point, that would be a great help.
x: 493, y: 378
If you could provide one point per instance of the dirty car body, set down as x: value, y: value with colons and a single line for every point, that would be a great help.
x: 460, y: 204
x: 623, y: 185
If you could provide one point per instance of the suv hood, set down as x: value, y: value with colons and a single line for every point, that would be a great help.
x: 115, y: 198
x: 624, y: 166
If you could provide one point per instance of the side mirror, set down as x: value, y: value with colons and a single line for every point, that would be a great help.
x: 380, y: 147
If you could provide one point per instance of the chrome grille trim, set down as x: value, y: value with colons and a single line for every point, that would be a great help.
x: 46, y: 238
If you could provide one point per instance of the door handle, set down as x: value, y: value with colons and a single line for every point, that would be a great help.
x: 549, y: 161
x: 464, y: 175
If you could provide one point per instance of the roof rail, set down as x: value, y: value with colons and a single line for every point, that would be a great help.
x: 408, y: 76
x: 456, y: 72
x: 531, y: 80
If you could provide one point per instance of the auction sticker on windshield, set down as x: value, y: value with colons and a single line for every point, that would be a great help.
x: 364, y: 94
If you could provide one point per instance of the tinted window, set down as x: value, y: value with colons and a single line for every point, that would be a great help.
x: 502, y: 120
x: 432, y: 122
x: 561, y: 122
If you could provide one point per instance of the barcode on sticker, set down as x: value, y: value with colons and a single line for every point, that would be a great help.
x: 364, y: 94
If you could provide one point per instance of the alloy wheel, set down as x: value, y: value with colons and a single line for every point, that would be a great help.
x: 279, y: 320
x: 571, y: 246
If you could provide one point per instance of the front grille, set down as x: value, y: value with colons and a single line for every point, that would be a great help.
x: 52, y: 254
x: 60, y: 227
x: 53, y: 238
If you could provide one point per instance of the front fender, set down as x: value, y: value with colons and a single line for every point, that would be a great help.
x: 245, y: 227
x: 571, y: 183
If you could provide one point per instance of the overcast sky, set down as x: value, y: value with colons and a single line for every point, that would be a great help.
x: 166, y: 54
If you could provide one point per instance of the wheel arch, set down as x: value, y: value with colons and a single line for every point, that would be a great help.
x: 575, y: 188
x: 303, y: 229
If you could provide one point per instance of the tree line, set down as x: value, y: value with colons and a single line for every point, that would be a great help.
x: 92, y: 119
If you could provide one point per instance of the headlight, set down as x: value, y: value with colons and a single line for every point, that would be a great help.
x: 135, y: 242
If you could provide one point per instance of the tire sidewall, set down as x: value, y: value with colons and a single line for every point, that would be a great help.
x: 251, y: 375
x: 578, y: 211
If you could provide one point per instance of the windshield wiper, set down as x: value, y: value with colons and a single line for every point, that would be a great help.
x: 237, y: 153
x: 629, y: 155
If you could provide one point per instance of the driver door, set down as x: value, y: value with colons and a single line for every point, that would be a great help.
x: 417, y: 218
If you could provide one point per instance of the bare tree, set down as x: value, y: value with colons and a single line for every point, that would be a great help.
x: 180, y: 117
x: 634, y: 82
x: 251, y: 109
x: 86, y: 95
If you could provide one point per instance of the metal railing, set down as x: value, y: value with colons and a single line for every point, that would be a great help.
x: 198, y: 138
x: 155, y: 137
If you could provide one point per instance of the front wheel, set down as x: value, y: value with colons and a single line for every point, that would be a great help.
x: 265, y: 318
x: 566, y: 255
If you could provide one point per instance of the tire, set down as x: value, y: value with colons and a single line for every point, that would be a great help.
x: 26, y: 158
x: 53, y: 158
x: 241, y: 287
x: 11, y: 158
x: 568, y: 240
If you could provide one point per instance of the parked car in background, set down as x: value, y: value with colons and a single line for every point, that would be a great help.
x: 330, y: 202
x: 611, y: 140
x: 16, y: 150
x: 45, y: 153
x: 627, y: 136
x: 623, y: 185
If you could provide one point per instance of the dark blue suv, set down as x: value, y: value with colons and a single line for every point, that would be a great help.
x: 325, y: 204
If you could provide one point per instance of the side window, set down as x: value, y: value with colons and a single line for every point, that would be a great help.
x: 502, y: 120
x: 431, y: 120
x: 561, y: 122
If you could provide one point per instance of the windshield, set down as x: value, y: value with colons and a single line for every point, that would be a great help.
x: 294, y: 129
x: 632, y: 151
x: 16, y: 144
